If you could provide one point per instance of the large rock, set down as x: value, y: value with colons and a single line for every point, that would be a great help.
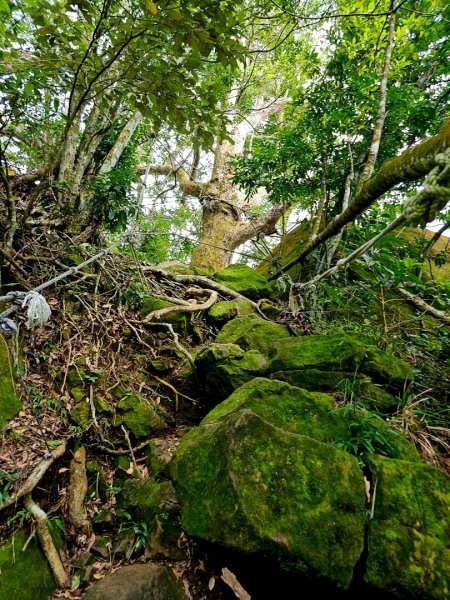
x: 255, y: 487
x: 252, y: 333
x: 141, y: 417
x: 348, y: 387
x: 339, y: 353
x: 139, y: 582
x: 409, y: 536
x: 318, y: 416
x: 222, y: 312
x: 222, y: 368
x: 24, y: 575
x: 245, y: 281
x: 9, y: 402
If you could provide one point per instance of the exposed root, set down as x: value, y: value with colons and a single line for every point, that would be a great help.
x: 191, y: 307
x: 48, y: 546
x: 78, y: 491
x: 422, y: 305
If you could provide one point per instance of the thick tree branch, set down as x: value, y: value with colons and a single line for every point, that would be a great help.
x: 411, y: 165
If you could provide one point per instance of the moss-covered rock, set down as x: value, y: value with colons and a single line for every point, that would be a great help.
x: 316, y: 415
x: 386, y: 369
x: 252, y: 333
x: 139, y: 582
x: 10, y: 404
x: 80, y: 413
x: 245, y: 281
x: 337, y: 353
x: 141, y: 417
x: 255, y: 487
x: 321, y: 352
x: 145, y: 499
x: 24, y: 575
x: 178, y: 320
x: 158, y: 457
x: 222, y: 312
x: 348, y: 387
x: 409, y: 536
x: 222, y: 368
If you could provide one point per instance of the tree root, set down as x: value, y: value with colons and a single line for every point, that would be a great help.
x: 48, y: 546
x: 157, y: 314
x: 35, y: 477
x: 78, y: 491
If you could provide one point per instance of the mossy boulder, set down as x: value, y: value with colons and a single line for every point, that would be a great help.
x: 409, y: 536
x: 139, y: 582
x: 178, y: 320
x: 255, y: 487
x: 141, y: 417
x: 156, y: 504
x: 10, y: 404
x: 80, y: 413
x: 252, y: 333
x: 222, y: 368
x: 316, y: 415
x: 321, y: 352
x: 245, y: 281
x: 338, y: 353
x: 24, y: 575
x: 222, y: 312
x: 147, y: 498
x: 387, y: 369
x: 348, y: 387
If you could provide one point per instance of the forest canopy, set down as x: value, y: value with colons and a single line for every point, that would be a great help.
x: 222, y: 117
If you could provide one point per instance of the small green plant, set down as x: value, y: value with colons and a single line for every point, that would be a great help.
x: 6, y: 481
x: 141, y: 536
x: 364, y: 435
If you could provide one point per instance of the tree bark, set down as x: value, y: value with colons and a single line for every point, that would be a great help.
x: 224, y: 205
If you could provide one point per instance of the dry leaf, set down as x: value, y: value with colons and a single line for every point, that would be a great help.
x: 63, y: 470
x: 211, y: 583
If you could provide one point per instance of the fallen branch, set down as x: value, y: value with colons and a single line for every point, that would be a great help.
x: 130, y: 447
x: 46, y: 540
x: 422, y: 305
x: 123, y: 451
x: 35, y: 477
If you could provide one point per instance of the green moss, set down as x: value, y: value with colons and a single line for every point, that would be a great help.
x: 222, y: 312
x: 178, y: 320
x: 322, y: 352
x: 222, y: 368
x: 145, y: 499
x: 81, y: 413
x: 75, y: 377
x: 141, y: 417
x: 245, y: 281
x: 10, y: 404
x: 314, y: 414
x: 252, y: 333
x: 24, y: 575
x: 257, y: 488
x: 78, y: 394
x: 385, y: 368
x: 409, y: 540
x: 313, y: 379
